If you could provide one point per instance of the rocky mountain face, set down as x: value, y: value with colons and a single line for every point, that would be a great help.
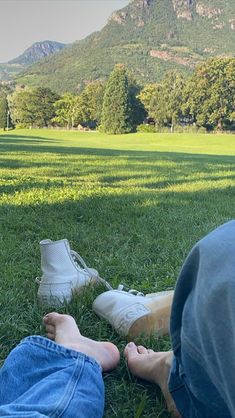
x: 31, y: 55
x: 149, y: 37
x: 184, y: 9
x: 37, y: 51
x: 198, y: 24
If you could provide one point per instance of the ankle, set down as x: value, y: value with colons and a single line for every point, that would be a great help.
x: 161, y: 369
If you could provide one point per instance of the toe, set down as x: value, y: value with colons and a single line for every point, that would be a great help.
x: 142, y: 350
x: 50, y: 318
x: 50, y: 329
x: 130, y: 351
x: 112, y: 356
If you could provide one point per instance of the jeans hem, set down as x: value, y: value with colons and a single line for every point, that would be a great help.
x: 50, y: 345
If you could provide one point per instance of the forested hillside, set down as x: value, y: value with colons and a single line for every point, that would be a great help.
x: 149, y: 37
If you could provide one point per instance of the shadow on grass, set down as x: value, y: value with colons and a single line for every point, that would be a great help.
x: 137, y: 167
x: 15, y: 139
x: 140, y: 238
x: 36, y: 143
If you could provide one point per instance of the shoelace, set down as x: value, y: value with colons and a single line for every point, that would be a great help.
x: 125, y: 288
x: 121, y: 287
x: 78, y: 259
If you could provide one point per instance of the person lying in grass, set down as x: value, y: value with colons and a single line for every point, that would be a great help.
x: 61, y: 376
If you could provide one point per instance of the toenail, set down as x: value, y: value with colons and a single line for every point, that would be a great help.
x: 131, y: 345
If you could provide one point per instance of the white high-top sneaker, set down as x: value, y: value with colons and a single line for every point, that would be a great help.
x: 135, y: 314
x: 61, y: 273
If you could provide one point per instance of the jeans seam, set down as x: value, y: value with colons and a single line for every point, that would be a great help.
x: 65, y: 401
x: 176, y: 387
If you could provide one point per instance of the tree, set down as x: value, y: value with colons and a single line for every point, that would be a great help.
x: 42, y: 101
x: 21, y: 113
x: 91, y: 102
x: 116, y: 111
x: 138, y: 111
x: 167, y: 101
x: 86, y: 108
x: 146, y: 96
x: 3, y: 111
x: 210, y: 94
x: 164, y: 101
x: 67, y: 111
x: 33, y: 107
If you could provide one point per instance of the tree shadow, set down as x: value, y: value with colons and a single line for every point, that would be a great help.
x: 14, y: 139
x: 135, y: 168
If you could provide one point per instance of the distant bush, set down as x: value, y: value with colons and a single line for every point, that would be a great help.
x: 146, y: 128
x: 190, y: 129
x: 202, y: 130
x: 163, y: 129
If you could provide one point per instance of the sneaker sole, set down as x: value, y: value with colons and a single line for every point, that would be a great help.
x: 48, y: 295
x: 154, y: 323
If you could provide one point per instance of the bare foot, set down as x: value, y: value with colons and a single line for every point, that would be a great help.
x: 63, y: 330
x: 154, y: 367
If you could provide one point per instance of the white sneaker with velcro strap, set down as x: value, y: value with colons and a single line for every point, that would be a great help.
x: 63, y: 272
x: 132, y: 314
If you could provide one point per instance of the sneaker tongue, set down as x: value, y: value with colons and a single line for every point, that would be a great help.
x: 46, y: 241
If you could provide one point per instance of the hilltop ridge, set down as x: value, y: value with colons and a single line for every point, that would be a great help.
x: 37, y: 51
x: 30, y: 56
x: 149, y: 37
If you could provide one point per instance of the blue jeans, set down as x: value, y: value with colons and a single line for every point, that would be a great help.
x: 202, y: 329
x: 43, y: 379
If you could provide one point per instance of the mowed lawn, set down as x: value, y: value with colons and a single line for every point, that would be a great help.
x: 131, y: 205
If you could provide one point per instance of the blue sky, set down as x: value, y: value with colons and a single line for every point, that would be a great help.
x: 24, y: 22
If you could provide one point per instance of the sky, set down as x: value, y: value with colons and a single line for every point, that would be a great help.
x: 24, y: 22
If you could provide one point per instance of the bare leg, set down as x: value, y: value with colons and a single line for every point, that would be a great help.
x: 63, y: 330
x: 154, y: 367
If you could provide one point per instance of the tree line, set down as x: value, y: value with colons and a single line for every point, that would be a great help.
x: 205, y: 100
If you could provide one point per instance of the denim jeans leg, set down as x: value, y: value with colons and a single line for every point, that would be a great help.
x: 203, y: 329
x: 43, y: 379
x: 193, y: 392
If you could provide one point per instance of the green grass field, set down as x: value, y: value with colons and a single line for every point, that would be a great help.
x: 131, y: 205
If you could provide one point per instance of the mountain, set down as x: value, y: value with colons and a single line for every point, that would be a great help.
x: 37, y: 51
x: 31, y: 55
x: 149, y: 37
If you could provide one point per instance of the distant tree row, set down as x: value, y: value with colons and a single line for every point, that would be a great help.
x: 204, y: 100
